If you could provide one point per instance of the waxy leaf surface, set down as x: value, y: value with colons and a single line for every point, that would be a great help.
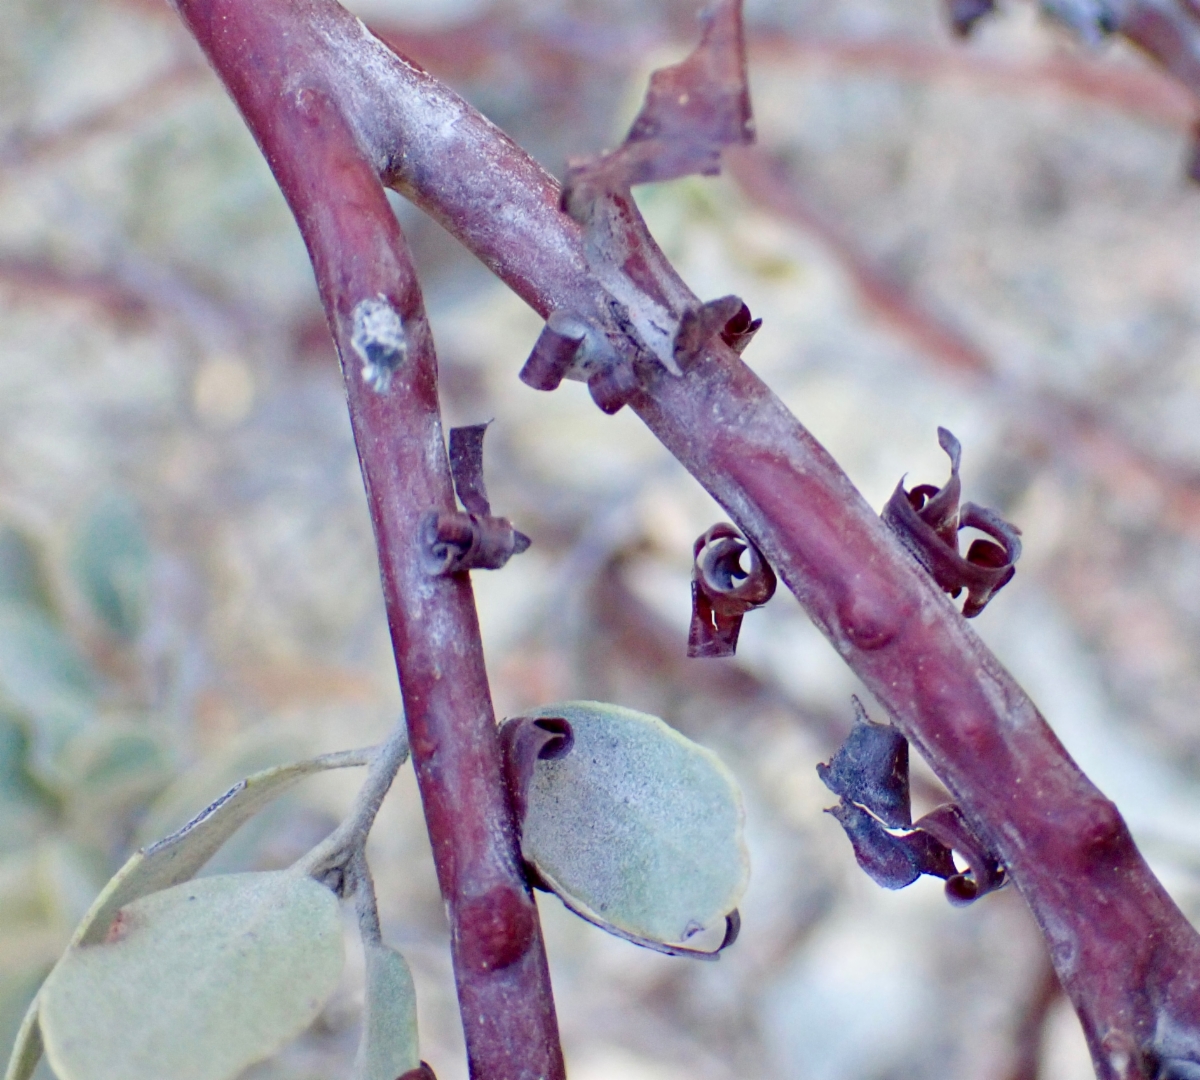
x: 635, y: 827
x: 195, y: 982
x: 180, y: 856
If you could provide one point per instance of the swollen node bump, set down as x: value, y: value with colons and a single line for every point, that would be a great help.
x: 377, y: 336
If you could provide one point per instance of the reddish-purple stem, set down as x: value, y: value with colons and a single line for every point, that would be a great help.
x: 333, y: 109
x: 359, y: 254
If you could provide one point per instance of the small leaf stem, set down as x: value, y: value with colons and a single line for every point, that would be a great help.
x: 366, y: 908
x: 341, y: 848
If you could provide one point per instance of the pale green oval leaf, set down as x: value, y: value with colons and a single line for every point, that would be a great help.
x: 111, y: 562
x: 256, y: 750
x: 636, y: 827
x: 388, y: 1047
x: 27, y: 1049
x: 196, y: 982
x: 179, y: 857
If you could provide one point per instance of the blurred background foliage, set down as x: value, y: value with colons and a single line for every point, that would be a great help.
x: 996, y: 236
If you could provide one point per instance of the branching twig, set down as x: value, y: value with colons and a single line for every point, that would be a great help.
x: 335, y: 853
x: 365, y: 906
x: 334, y: 110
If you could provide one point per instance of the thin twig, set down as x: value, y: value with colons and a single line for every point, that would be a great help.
x: 365, y: 906
x: 1124, y: 951
x: 342, y: 845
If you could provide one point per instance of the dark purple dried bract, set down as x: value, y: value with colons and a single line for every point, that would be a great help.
x: 927, y: 521
x: 984, y: 874
x: 891, y: 860
x: 692, y: 110
x: 740, y: 329
x: 870, y: 774
x: 453, y: 541
x: 723, y: 591
x: 871, y: 769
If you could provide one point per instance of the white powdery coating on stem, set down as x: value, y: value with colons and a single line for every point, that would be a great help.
x: 377, y: 336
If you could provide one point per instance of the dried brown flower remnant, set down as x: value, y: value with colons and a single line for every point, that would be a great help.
x: 723, y: 591
x: 474, y: 540
x: 927, y: 520
x: 692, y: 109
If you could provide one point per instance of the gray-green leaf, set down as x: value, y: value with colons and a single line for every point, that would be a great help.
x: 111, y: 562
x: 388, y: 1047
x: 635, y: 827
x: 44, y: 677
x: 195, y: 982
x: 175, y: 859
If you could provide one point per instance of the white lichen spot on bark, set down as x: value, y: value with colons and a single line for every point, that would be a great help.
x: 377, y: 336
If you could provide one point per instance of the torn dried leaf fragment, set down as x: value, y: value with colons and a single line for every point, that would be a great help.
x: 635, y: 828
x: 927, y: 521
x: 692, y: 110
